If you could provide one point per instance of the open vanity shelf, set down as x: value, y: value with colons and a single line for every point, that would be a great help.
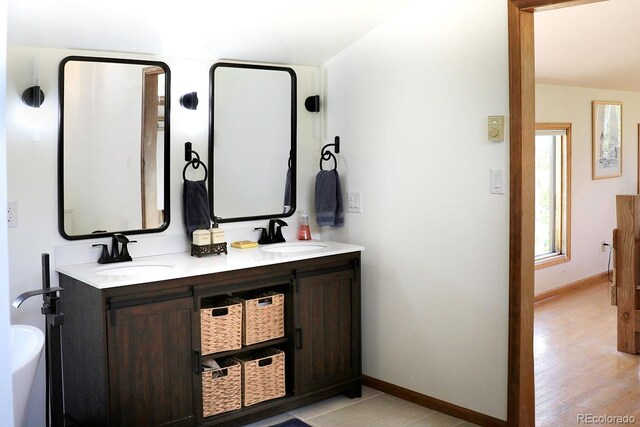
x: 132, y: 353
x: 245, y: 349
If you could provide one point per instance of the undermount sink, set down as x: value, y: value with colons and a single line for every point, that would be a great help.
x: 133, y: 269
x: 286, y: 248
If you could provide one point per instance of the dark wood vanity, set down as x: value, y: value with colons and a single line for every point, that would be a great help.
x: 132, y: 353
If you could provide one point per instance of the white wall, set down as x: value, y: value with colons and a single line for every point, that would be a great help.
x: 32, y: 173
x: 6, y: 403
x: 593, y: 202
x: 410, y: 101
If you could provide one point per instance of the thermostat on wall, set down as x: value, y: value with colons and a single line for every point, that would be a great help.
x: 496, y: 128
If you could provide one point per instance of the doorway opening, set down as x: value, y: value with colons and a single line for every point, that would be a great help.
x: 521, y: 400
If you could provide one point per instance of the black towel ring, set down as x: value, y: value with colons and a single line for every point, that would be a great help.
x: 328, y: 155
x: 196, y: 163
x: 325, y: 154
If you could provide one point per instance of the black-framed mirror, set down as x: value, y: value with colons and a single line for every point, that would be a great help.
x: 113, y: 146
x: 252, y: 142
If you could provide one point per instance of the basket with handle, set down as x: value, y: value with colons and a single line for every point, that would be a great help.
x: 263, y: 376
x: 222, y: 388
x: 263, y: 318
x: 220, y: 324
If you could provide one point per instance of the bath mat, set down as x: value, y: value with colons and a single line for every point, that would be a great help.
x: 293, y: 422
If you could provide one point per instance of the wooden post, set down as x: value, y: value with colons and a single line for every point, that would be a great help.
x: 627, y: 271
x: 614, y: 287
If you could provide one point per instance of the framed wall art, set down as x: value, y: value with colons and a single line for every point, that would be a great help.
x: 606, y: 139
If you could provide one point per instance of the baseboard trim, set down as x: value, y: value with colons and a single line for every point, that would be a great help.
x: 591, y: 280
x: 433, y: 403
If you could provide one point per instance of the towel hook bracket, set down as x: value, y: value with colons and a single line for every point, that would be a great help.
x: 194, y: 162
x: 327, y: 155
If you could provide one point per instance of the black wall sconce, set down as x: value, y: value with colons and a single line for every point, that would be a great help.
x: 189, y: 100
x: 312, y: 103
x: 33, y: 96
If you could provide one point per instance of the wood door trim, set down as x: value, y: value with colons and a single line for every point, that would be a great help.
x: 149, y: 148
x: 520, y: 400
x: 540, y: 5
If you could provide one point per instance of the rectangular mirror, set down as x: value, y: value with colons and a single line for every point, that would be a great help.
x: 113, y: 155
x: 252, y: 142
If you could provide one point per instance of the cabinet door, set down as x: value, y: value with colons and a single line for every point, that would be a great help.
x: 325, y: 336
x: 150, y: 364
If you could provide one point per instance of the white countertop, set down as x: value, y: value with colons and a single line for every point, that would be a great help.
x: 174, y: 266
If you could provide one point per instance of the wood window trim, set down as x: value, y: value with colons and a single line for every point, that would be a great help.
x: 551, y: 260
x: 520, y: 389
x: 565, y: 255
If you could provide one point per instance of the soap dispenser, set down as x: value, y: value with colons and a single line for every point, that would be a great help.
x: 304, y: 233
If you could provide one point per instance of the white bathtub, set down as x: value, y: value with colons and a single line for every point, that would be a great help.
x: 26, y: 346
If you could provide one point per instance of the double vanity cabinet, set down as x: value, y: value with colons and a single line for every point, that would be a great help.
x: 132, y: 345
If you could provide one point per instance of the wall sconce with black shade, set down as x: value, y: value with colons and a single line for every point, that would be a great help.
x: 34, y: 96
x: 312, y: 103
x: 189, y: 100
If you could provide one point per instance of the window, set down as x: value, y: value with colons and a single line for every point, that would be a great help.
x: 552, y: 193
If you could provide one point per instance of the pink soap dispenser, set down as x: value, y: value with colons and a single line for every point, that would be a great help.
x: 304, y: 232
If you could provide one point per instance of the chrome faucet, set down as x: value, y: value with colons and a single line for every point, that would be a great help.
x: 117, y: 254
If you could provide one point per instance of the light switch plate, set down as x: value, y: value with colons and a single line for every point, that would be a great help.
x: 497, y: 181
x: 354, y: 202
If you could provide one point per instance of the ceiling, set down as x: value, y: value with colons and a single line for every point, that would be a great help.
x: 595, y: 45
x: 282, y: 31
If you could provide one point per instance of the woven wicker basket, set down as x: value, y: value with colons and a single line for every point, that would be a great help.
x: 263, y: 376
x: 221, y: 388
x: 221, y: 325
x: 263, y: 318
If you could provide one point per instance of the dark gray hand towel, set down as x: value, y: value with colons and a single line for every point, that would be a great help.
x: 339, y: 221
x: 329, y: 209
x: 196, y: 206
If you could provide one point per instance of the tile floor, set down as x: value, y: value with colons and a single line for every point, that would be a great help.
x: 374, y: 408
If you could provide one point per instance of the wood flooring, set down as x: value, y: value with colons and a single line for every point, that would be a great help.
x: 577, y: 367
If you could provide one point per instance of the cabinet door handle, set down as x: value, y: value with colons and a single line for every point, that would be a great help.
x: 299, y: 338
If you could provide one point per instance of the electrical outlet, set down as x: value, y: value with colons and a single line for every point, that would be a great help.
x: 603, y: 246
x: 12, y: 214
